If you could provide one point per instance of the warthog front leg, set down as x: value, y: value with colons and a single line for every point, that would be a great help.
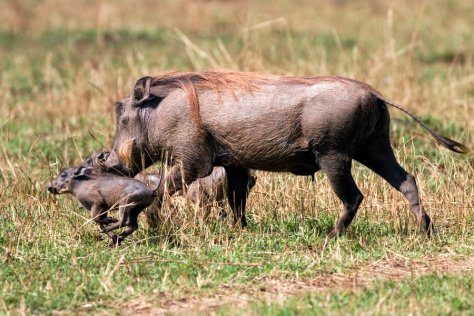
x: 237, y: 192
x: 179, y: 174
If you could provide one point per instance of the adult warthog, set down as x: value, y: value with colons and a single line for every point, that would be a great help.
x: 242, y: 121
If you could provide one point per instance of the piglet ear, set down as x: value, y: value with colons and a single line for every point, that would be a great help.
x: 82, y: 171
x: 79, y: 170
x: 141, y: 91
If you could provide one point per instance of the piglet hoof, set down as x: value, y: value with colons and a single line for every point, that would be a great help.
x: 107, y: 229
x: 115, y: 241
x: 109, y: 220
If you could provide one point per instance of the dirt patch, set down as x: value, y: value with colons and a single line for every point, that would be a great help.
x: 268, y: 289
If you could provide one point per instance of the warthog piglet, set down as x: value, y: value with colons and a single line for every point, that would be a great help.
x: 101, y: 192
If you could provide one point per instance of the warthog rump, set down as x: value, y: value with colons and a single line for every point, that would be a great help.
x: 243, y: 121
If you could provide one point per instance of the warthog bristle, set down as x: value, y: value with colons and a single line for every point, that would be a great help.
x: 125, y: 152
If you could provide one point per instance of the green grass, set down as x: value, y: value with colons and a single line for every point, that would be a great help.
x: 73, y: 268
x: 431, y: 294
x: 62, y: 70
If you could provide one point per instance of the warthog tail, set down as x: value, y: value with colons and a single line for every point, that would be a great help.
x: 445, y: 141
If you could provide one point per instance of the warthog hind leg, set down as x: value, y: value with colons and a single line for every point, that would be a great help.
x: 338, y: 170
x: 380, y: 158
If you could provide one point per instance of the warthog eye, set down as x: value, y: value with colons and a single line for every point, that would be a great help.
x: 118, y: 108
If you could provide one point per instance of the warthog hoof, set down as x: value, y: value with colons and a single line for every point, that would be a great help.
x: 334, y: 233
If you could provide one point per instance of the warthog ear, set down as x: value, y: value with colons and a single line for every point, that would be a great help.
x: 141, y: 91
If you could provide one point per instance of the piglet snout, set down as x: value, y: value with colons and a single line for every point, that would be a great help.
x: 51, y: 188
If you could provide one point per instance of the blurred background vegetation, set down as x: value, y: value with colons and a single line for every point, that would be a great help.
x: 63, y: 60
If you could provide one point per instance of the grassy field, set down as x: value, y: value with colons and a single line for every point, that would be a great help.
x: 63, y: 64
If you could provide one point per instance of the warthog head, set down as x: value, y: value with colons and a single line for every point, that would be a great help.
x: 129, y: 153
